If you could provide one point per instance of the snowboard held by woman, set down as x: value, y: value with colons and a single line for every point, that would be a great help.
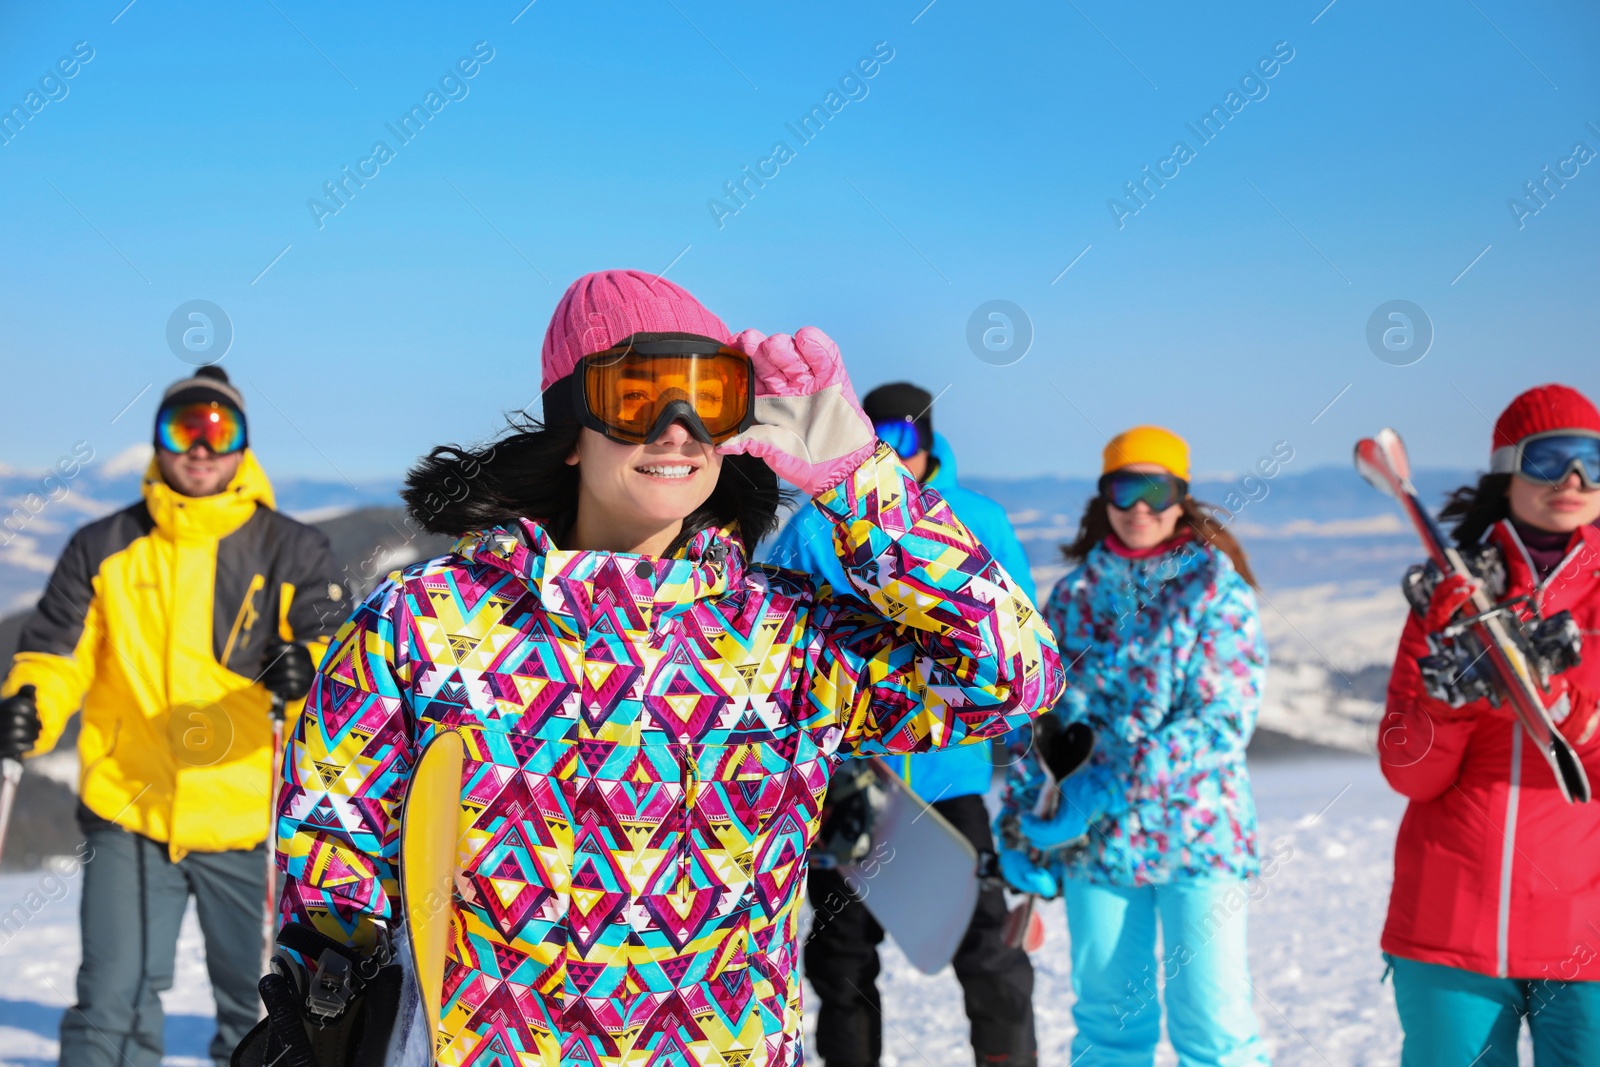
x: 1166, y: 663
x: 649, y: 720
x: 1495, y: 912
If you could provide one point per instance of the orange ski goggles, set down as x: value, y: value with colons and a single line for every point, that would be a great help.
x: 633, y: 391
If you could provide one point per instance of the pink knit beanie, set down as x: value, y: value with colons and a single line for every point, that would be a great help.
x: 599, y: 310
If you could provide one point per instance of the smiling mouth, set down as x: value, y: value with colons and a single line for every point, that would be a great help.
x: 666, y: 471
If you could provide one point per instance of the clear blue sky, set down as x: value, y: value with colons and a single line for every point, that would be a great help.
x: 978, y: 165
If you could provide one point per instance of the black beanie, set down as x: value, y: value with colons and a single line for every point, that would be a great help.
x: 900, y: 401
x: 208, y: 385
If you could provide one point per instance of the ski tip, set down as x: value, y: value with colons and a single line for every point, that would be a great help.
x: 1573, y: 779
x: 1381, y: 459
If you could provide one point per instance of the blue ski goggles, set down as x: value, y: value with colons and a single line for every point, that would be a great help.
x: 1157, y: 491
x: 1548, y: 458
x: 900, y: 435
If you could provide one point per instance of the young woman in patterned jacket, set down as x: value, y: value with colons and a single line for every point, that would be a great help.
x: 1165, y: 662
x: 649, y: 719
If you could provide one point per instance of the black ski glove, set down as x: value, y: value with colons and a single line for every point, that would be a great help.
x: 19, y: 723
x: 287, y: 670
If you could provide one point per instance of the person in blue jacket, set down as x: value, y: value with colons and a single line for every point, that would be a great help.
x: 841, y: 955
x: 1166, y: 663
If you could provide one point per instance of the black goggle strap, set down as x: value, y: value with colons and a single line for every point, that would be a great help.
x: 563, y: 401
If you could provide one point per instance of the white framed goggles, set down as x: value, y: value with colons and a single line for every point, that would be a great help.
x: 1547, y: 458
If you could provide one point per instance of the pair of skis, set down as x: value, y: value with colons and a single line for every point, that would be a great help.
x: 1382, y: 461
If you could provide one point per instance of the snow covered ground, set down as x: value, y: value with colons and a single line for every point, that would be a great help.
x: 1331, y: 647
x: 1314, y: 924
x: 1314, y: 929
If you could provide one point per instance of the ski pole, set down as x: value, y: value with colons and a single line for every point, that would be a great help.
x: 269, y: 923
x: 1023, y: 928
x: 1061, y: 752
x: 10, y: 779
x: 10, y: 776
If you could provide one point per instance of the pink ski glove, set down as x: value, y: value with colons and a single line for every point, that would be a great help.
x: 809, y: 427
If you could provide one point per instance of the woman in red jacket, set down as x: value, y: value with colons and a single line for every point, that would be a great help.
x: 1495, y: 912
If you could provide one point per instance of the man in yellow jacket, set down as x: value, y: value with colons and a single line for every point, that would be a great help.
x: 170, y: 624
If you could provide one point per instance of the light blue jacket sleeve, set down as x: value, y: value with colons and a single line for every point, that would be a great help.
x: 806, y: 544
x: 1003, y: 545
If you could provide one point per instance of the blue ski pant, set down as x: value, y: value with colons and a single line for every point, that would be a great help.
x: 1202, y: 963
x: 134, y: 898
x: 1454, y: 1017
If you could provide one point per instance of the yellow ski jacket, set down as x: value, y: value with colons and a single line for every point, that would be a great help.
x: 154, y: 623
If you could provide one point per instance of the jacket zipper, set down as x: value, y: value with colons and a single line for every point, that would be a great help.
x: 245, y: 620
x: 691, y: 783
x: 1539, y: 587
x: 1502, y: 935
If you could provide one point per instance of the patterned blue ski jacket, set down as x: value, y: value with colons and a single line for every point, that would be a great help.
x: 1166, y: 662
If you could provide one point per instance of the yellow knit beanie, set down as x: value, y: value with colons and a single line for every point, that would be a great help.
x: 1147, y: 444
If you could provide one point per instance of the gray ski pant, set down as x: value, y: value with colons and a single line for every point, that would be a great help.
x: 134, y: 898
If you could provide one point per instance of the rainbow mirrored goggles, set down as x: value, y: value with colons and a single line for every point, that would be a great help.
x: 1547, y: 458
x: 634, y: 390
x: 220, y: 427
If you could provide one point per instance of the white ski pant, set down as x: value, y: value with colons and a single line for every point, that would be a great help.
x: 1204, y: 975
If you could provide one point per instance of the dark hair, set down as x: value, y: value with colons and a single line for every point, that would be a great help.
x: 1199, y: 517
x: 525, y: 474
x: 1472, y: 509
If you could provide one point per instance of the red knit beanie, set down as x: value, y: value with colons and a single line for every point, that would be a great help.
x: 1540, y: 410
x: 599, y: 310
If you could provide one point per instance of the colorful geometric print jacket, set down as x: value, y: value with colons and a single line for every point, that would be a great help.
x: 648, y: 743
x: 1166, y: 662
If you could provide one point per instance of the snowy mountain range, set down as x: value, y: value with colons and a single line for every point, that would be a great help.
x: 1328, y: 550
x: 39, y: 509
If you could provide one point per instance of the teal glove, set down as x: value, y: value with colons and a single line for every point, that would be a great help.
x: 1086, y: 798
x: 1025, y: 876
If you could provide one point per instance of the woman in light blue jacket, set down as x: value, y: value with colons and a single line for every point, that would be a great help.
x: 1166, y: 664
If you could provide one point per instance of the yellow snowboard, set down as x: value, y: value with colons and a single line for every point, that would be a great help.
x: 430, y: 830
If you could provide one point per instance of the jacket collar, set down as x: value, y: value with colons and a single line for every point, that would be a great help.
x: 1114, y: 544
x: 1111, y: 564
x: 1585, y: 543
x: 583, y: 586
x: 207, y: 517
x: 943, y: 460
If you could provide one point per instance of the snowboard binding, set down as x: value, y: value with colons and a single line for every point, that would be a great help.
x: 851, y: 809
x: 1455, y: 670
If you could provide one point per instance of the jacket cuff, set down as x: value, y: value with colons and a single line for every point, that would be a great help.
x: 874, y: 471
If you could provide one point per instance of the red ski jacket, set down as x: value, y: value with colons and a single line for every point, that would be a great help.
x: 1494, y: 872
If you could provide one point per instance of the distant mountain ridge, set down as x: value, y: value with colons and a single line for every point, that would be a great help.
x: 1328, y: 548
x: 39, y: 509
x: 1300, y: 528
